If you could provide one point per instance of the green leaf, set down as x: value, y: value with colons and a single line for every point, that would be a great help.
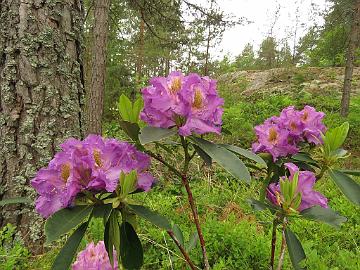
x: 125, y: 108
x: 334, y: 138
x: 245, y: 153
x: 152, y: 216
x: 205, y: 157
x: 102, y: 211
x: 137, y: 107
x: 64, y: 220
x: 351, y: 172
x: 194, y: 238
x: 347, y: 185
x: 296, y: 251
x: 131, y: 250
x: 326, y: 215
x: 112, y: 235
x: 303, y: 157
x: 128, y: 182
x: 178, y: 234
x: 65, y: 257
x: 228, y: 160
x: 131, y: 129
x: 15, y: 201
x: 153, y: 134
x: 260, y: 206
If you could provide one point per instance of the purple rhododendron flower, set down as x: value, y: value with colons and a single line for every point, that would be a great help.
x: 94, y: 164
x: 94, y: 257
x: 306, y: 182
x: 189, y: 102
x: 280, y: 136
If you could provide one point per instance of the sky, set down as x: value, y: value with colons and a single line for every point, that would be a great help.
x: 262, y: 14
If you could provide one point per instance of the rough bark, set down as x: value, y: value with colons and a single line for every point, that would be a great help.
x: 350, y: 57
x: 41, y: 98
x: 95, y: 95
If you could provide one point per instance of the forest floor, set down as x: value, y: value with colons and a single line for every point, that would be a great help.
x: 236, y: 236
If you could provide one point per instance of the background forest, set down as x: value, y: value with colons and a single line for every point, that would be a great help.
x: 64, y: 65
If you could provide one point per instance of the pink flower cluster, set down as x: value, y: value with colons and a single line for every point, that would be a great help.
x: 94, y: 164
x: 306, y: 182
x: 281, y: 135
x: 94, y: 257
x: 189, y: 102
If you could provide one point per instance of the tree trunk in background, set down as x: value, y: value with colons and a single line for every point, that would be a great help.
x: 41, y: 97
x: 95, y: 94
x: 350, y: 57
x: 140, y: 57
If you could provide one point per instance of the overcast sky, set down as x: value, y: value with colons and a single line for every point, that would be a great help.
x: 262, y: 14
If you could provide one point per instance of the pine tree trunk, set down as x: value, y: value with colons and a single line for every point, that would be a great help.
x: 95, y: 95
x: 350, y: 57
x: 41, y: 97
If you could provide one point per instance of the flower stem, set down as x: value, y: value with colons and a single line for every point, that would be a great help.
x: 283, y: 246
x: 273, y: 243
x: 196, y: 220
x: 182, y: 250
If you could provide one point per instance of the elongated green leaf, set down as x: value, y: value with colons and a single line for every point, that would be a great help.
x: 260, y: 206
x: 347, y: 185
x: 303, y: 157
x: 131, y: 250
x: 15, y: 201
x: 296, y: 251
x: 178, y: 234
x: 205, y: 157
x: 194, y: 238
x: 334, y: 138
x: 131, y: 129
x: 64, y: 220
x: 125, y: 108
x: 112, y: 235
x: 228, y: 160
x: 326, y: 215
x: 153, y: 134
x: 351, y: 172
x: 137, y: 107
x: 152, y: 216
x: 65, y: 257
x: 102, y: 211
x: 245, y: 153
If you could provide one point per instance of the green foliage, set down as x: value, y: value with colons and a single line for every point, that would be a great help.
x: 13, y: 255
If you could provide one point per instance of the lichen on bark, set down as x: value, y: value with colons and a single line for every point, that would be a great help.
x: 41, y: 97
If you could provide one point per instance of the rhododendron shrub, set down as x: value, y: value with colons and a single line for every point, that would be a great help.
x: 299, y: 150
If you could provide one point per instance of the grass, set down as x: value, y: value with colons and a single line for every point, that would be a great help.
x: 236, y: 236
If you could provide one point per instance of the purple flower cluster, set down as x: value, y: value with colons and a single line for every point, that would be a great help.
x: 306, y: 182
x: 189, y: 102
x: 94, y: 164
x: 281, y: 135
x: 94, y: 257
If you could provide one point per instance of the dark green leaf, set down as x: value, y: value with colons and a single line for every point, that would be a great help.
x: 131, y: 129
x: 65, y: 257
x: 324, y: 215
x: 15, y: 201
x: 303, y: 157
x: 112, y: 235
x: 131, y: 250
x: 351, y: 172
x: 153, y: 134
x: 228, y: 160
x: 296, y: 251
x: 151, y: 216
x: 260, y: 206
x: 205, y: 157
x: 194, y: 238
x: 348, y: 186
x: 102, y: 211
x: 178, y: 234
x: 245, y: 153
x: 64, y: 220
